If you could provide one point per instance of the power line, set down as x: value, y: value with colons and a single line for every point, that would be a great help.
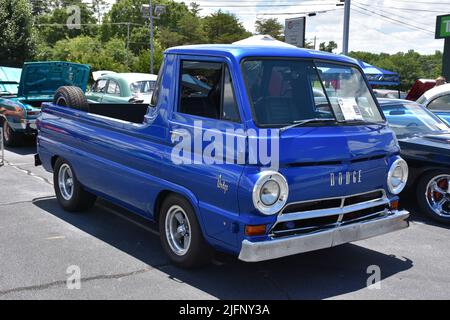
x: 292, y: 13
x: 265, y: 5
x: 395, y: 15
x: 385, y: 33
x: 423, y: 2
x: 399, y: 22
x: 403, y: 9
x: 306, y: 3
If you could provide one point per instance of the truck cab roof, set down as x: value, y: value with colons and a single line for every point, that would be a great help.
x: 240, y: 52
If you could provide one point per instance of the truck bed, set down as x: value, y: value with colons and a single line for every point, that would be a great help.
x: 127, y: 112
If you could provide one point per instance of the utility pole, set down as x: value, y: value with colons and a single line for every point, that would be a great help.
x: 128, y: 43
x: 346, y: 26
x: 150, y: 14
x: 446, y: 59
x: 159, y: 10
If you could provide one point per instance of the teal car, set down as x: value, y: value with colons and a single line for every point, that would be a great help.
x: 20, y: 102
x: 9, y: 80
x: 122, y: 88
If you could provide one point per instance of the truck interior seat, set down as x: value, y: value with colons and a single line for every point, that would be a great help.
x: 199, y: 106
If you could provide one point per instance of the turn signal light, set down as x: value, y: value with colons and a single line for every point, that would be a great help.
x: 257, y: 230
x: 394, y: 205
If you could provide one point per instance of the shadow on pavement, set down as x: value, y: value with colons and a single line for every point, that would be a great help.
x: 23, y: 150
x: 408, y: 201
x: 316, y: 275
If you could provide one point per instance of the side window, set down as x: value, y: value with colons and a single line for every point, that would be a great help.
x: 319, y: 94
x: 113, y: 88
x: 440, y: 104
x: 206, y: 91
x: 100, y: 86
x: 157, y: 90
x: 229, y: 107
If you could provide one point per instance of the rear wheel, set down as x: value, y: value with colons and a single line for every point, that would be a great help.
x: 69, y: 192
x: 433, y: 195
x: 10, y: 138
x: 71, y: 96
x: 180, y: 233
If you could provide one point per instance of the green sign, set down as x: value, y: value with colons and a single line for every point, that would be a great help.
x: 443, y: 27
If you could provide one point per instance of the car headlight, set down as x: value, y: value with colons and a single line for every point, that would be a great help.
x: 397, y: 176
x: 270, y: 192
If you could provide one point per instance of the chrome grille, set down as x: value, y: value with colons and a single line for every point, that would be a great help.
x: 321, y: 214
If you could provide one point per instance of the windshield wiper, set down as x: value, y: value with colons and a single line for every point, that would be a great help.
x: 299, y: 123
x: 356, y: 121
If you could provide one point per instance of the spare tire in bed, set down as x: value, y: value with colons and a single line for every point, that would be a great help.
x: 71, y: 96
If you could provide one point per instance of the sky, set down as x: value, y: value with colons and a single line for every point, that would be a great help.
x: 376, y: 26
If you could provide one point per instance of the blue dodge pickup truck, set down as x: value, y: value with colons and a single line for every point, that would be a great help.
x: 250, y: 150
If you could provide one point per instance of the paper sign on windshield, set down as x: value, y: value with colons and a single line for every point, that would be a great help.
x: 350, y: 109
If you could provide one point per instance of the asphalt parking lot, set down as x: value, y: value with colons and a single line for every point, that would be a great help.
x: 120, y: 257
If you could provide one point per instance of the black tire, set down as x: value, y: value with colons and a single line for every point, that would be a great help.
x: 198, y: 252
x: 10, y: 137
x: 79, y: 199
x: 72, y: 97
x: 421, y: 193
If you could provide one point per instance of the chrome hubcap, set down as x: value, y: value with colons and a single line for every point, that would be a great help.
x: 178, y: 230
x: 65, y: 181
x: 438, y: 195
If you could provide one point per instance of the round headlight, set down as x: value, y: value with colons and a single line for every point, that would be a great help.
x: 397, y: 176
x: 270, y: 192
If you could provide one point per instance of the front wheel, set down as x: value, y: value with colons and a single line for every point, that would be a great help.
x: 10, y: 138
x: 69, y: 192
x: 180, y: 233
x: 433, y: 195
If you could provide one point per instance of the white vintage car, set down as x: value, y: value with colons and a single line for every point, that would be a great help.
x: 437, y: 100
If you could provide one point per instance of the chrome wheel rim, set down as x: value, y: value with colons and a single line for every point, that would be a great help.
x: 65, y: 181
x: 178, y: 230
x: 438, y: 195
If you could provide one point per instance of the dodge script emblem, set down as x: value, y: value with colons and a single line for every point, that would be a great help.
x: 347, y: 177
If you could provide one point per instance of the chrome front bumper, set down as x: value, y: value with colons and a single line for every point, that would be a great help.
x: 277, y: 248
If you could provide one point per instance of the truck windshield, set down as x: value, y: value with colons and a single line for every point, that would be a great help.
x: 284, y: 92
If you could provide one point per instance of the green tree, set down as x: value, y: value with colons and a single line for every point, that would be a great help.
x: 124, y: 11
x: 111, y: 55
x: 142, y: 62
x: 97, y: 7
x: 271, y: 27
x: 169, y: 38
x: 57, y: 25
x: 328, y: 47
x: 17, y: 42
x: 222, y: 27
x: 139, y: 39
x: 410, y: 65
x: 195, y: 8
x: 39, y: 7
